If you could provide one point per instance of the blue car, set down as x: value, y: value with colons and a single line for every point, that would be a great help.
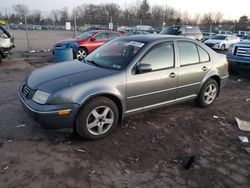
x: 239, y: 54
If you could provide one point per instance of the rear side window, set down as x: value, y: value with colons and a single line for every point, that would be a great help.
x: 161, y: 56
x: 102, y: 36
x: 188, y: 53
x: 112, y: 35
x: 204, y: 56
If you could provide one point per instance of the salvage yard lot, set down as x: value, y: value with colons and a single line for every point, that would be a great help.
x: 149, y: 150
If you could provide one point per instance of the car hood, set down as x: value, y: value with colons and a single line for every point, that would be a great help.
x: 67, y: 74
x: 213, y: 41
x: 244, y: 42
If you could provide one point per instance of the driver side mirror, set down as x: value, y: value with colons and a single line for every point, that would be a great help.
x: 92, y: 39
x: 142, y: 68
x: 179, y: 32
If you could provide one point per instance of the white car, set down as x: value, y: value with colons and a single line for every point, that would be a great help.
x: 222, y: 42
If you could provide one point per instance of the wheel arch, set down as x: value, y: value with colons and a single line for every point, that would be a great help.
x: 214, y: 77
x: 110, y: 96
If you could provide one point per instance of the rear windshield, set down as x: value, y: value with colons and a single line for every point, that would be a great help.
x: 170, y: 30
x: 219, y: 37
x: 86, y: 35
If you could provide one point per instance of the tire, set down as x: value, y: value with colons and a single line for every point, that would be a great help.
x: 81, y: 53
x: 98, y: 118
x: 1, y: 58
x: 208, y: 94
x: 223, y: 47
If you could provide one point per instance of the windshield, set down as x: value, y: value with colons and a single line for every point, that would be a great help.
x: 86, y: 35
x: 115, y: 54
x: 170, y: 30
x: 219, y: 37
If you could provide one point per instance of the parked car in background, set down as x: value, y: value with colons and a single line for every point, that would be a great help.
x: 238, y: 55
x: 222, y: 42
x: 225, y: 32
x: 192, y: 32
x: 88, y: 41
x: 241, y: 36
x: 137, y: 32
x: 6, y: 43
x: 125, y: 76
x: 146, y: 28
x: 207, y: 35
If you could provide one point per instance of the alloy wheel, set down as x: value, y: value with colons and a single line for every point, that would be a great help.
x: 210, y: 93
x: 100, y: 120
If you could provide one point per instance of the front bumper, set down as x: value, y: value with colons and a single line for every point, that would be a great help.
x: 47, y: 115
x: 241, y: 62
x: 214, y: 46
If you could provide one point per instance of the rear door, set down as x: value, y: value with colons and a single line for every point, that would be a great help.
x: 195, y: 63
x: 148, y: 89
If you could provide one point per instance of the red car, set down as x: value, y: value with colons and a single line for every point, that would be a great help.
x: 88, y: 41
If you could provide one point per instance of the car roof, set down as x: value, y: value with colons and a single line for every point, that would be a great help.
x: 152, y: 37
x: 108, y: 31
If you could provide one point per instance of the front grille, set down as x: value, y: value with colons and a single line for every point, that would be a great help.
x: 243, y: 51
x: 26, y: 91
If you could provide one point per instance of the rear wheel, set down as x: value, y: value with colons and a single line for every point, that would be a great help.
x: 98, y: 118
x: 81, y: 54
x: 208, y: 93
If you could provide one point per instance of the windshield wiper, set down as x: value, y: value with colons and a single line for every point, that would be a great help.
x: 93, y: 62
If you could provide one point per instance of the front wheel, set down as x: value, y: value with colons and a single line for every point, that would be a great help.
x: 208, y: 93
x: 98, y: 118
x: 223, y: 47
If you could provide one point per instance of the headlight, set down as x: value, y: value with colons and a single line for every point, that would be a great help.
x: 40, y: 97
x: 230, y: 49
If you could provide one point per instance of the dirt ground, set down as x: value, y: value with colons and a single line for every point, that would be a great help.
x: 150, y: 150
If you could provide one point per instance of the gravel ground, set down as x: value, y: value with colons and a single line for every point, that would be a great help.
x: 150, y: 150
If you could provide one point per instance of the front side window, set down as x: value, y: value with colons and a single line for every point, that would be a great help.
x: 160, y: 56
x: 86, y: 35
x: 188, y: 53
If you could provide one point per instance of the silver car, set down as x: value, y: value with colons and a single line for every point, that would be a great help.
x: 123, y: 77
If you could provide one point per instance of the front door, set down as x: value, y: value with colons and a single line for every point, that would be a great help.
x: 148, y: 89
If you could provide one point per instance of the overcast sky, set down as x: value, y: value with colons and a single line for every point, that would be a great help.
x: 230, y: 9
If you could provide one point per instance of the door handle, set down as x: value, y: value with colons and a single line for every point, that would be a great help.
x: 172, y: 75
x: 204, y: 68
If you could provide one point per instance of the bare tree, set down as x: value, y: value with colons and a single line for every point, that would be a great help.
x: 144, y: 10
x: 21, y: 9
x: 157, y: 12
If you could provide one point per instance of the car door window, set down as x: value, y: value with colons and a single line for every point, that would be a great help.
x: 2, y: 34
x: 112, y: 36
x: 188, y: 53
x: 204, y: 56
x: 101, y: 36
x: 161, y: 56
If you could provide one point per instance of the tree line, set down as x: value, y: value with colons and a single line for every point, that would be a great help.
x: 139, y: 13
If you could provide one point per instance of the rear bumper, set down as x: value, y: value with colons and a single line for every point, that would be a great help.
x: 47, y: 115
x: 224, y: 81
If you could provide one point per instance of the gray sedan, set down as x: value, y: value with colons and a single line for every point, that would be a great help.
x: 123, y: 77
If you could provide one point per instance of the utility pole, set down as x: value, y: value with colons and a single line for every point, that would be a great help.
x: 26, y: 27
x: 74, y: 15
